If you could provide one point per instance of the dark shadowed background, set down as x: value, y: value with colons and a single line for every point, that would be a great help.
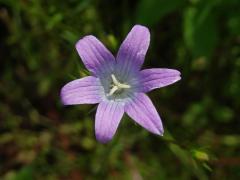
x: 42, y: 139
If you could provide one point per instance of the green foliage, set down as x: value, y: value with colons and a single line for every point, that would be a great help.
x: 150, y: 12
x: 42, y: 139
x: 200, y: 28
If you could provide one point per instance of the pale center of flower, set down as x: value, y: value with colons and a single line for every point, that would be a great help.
x: 116, y: 86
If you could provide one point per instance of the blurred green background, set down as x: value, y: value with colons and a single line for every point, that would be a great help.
x: 42, y: 139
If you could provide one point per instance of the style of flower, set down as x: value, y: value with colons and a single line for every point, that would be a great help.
x: 118, y: 85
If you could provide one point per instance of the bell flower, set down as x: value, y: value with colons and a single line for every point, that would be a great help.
x: 118, y: 84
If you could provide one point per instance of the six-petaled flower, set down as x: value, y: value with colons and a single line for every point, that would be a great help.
x: 118, y: 84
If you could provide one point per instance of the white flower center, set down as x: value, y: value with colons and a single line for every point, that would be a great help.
x: 117, y: 86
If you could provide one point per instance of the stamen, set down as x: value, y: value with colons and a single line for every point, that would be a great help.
x: 117, y: 86
x: 124, y: 86
x: 112, y: 91
x: 117, y: 83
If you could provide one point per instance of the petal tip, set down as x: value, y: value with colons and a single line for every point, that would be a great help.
x: 140, y: 27
x: 143, y: 30
x: 159, y: 132
x: 62, y: 97
x: 79, y: 42
x: 179, y: 73
x: 178, y: 78
x: 103, y: 139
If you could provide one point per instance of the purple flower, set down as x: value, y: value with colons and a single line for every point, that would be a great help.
x: 118, y: 85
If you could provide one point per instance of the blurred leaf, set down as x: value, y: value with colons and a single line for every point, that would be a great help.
x: 25, y: 173
x: 54, y: 20
x: 223, y: 114
x: 185, y: 157
x: 200, y: 29
x: 206, y: 166
x: 234, y: 24
x: 180, y: 153
x: 200, y: 155
x: 112, y: 41
x: 231, y: 140
x: 168, y: 136
x: 150, y: 12
x: 44, y: 86
x: 195, y: 114
x: 88, y: 143
x: 69, y: 36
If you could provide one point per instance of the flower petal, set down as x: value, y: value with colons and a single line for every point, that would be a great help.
x: 95, y: 55
x: 86, y: 90
x: 107, y: 119
x: 133, y: 49
x: 158, y: 77
x: 141, y: 110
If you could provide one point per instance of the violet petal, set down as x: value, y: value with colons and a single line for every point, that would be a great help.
x: 96, y: 57
x: 86, y: 90
x: 142, y: 110
x: 107, y: 120
x: 133, y: 49
x: 157, y: 78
